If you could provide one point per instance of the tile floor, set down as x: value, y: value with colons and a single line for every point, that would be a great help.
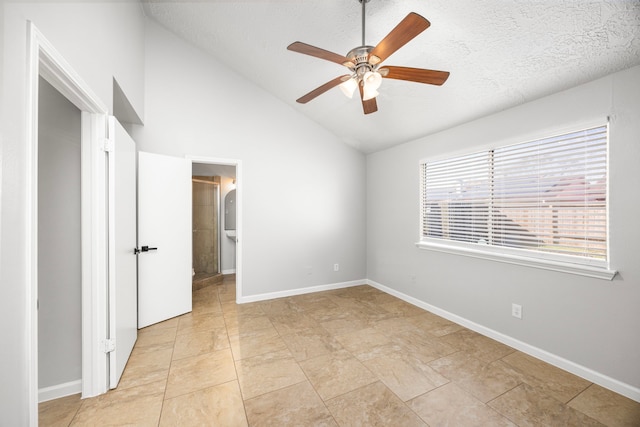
x: 348, y: 357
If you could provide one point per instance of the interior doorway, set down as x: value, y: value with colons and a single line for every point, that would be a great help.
x: 214, y: 236
x: 59, y: 245
x: 205, y: 212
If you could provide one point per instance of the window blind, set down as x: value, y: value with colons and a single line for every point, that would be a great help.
x: 545, y: 196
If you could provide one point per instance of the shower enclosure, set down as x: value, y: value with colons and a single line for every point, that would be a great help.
x: 206, y: 226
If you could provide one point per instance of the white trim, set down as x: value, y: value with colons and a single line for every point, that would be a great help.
x: 230, y: 271
x: 44, y: 60
x: 238, y: 165
x: 483, y: 252
x: 300, y: 291
x: 589, y: 374
x: 59, y: 390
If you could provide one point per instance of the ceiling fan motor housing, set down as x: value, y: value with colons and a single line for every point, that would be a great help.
x: 359, y: 56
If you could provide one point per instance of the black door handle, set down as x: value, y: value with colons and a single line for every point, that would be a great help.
x: 136, y: 251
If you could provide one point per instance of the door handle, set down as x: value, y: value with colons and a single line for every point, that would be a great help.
x: 136, y: 251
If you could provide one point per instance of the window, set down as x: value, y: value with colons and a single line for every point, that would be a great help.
x: 544, y: 199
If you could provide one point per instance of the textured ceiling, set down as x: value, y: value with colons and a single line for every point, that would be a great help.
x: 500, y: 53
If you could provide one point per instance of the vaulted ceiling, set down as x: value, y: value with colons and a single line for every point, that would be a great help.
x: 500, y: 53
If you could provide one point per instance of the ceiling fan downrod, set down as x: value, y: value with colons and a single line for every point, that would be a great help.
x: 363, y: 2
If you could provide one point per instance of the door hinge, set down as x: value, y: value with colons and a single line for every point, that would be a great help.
x: 107, y: 145
x: 109, y: 345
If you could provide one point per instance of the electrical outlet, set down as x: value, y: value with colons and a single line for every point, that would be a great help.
x: 516, y: 311
x: 336, y: 267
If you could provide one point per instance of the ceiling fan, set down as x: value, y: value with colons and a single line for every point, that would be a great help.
x: 364, y: 63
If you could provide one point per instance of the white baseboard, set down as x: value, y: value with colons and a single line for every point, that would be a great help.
x: 59, y: 390
x: 300, y: 291
x: 230, y: 271
x: 589, y: 374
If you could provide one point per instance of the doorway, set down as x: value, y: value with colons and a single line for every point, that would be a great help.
x: 59, y: 245
x: 205, y: 214
x: 214, y: 238
x: 44, y: 61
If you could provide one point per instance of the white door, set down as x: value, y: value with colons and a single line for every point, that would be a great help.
x: 164, y: 228
x: 123, y: 322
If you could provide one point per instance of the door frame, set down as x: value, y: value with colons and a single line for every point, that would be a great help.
x: 44, y: 60
x: 238, y: 165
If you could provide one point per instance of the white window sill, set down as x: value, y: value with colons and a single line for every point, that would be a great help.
x: 545, y: 264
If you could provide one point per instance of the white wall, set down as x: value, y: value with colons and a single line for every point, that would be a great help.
x: 227, y: 244
x: 59, y: 256
x: 302, y: 190
x: 592, y: 323
x: 100, y: 41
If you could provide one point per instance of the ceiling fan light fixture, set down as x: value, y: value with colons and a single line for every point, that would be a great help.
x: 372, y: 79
x: 369, y: 92
x: 348, y: 87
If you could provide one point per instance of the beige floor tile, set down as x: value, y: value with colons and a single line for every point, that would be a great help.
x: 154, y: 339
x: 345, y: 325
x: 285, y: 371
x: 528, y: 407
x: 553, y: 381
x: 191, y: 323
x: 607, y: 407
x: 255, y: 343
x: 230, y: 308
x: 198, y: 372
x: 394, y: 325
x: 434, y: 324
x: 170, y: 323
x: 59, y: 412
x: 449, y: 405
x: 336, y: 373
x: 405, y: 375
x: 292, y: 323
x: 311, y: 343
x: 372, y: 405
x: 220, y: 405
x: 146, y: 367
x: 367, y: 343
x: 137, y: 406
x: 195, y: 343
x: 479, y: 346
x: 402, y: 308
x: 201, y: 307
x: 280, y: 306
x: 483, y: 380
x: 245, y: 324
x: 312, y: 302
x: 296, y: 405
x: 267, y: 372
x: 226, y: 292
x: 335, y: 312
x: 490, y: 382
x: 422, y: 344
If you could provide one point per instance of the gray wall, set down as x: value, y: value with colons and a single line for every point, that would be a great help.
x: 303, y: 191
x: 59, y: 257
x: 590, y: 322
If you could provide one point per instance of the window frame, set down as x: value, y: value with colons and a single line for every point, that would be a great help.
x: 597, y: 268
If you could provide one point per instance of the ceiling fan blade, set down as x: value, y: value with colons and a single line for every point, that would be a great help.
x: 307, y: 49
x: 412, y: 25
x: 322, y: 89
x: 369, y: 106
x: 419, y: 75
